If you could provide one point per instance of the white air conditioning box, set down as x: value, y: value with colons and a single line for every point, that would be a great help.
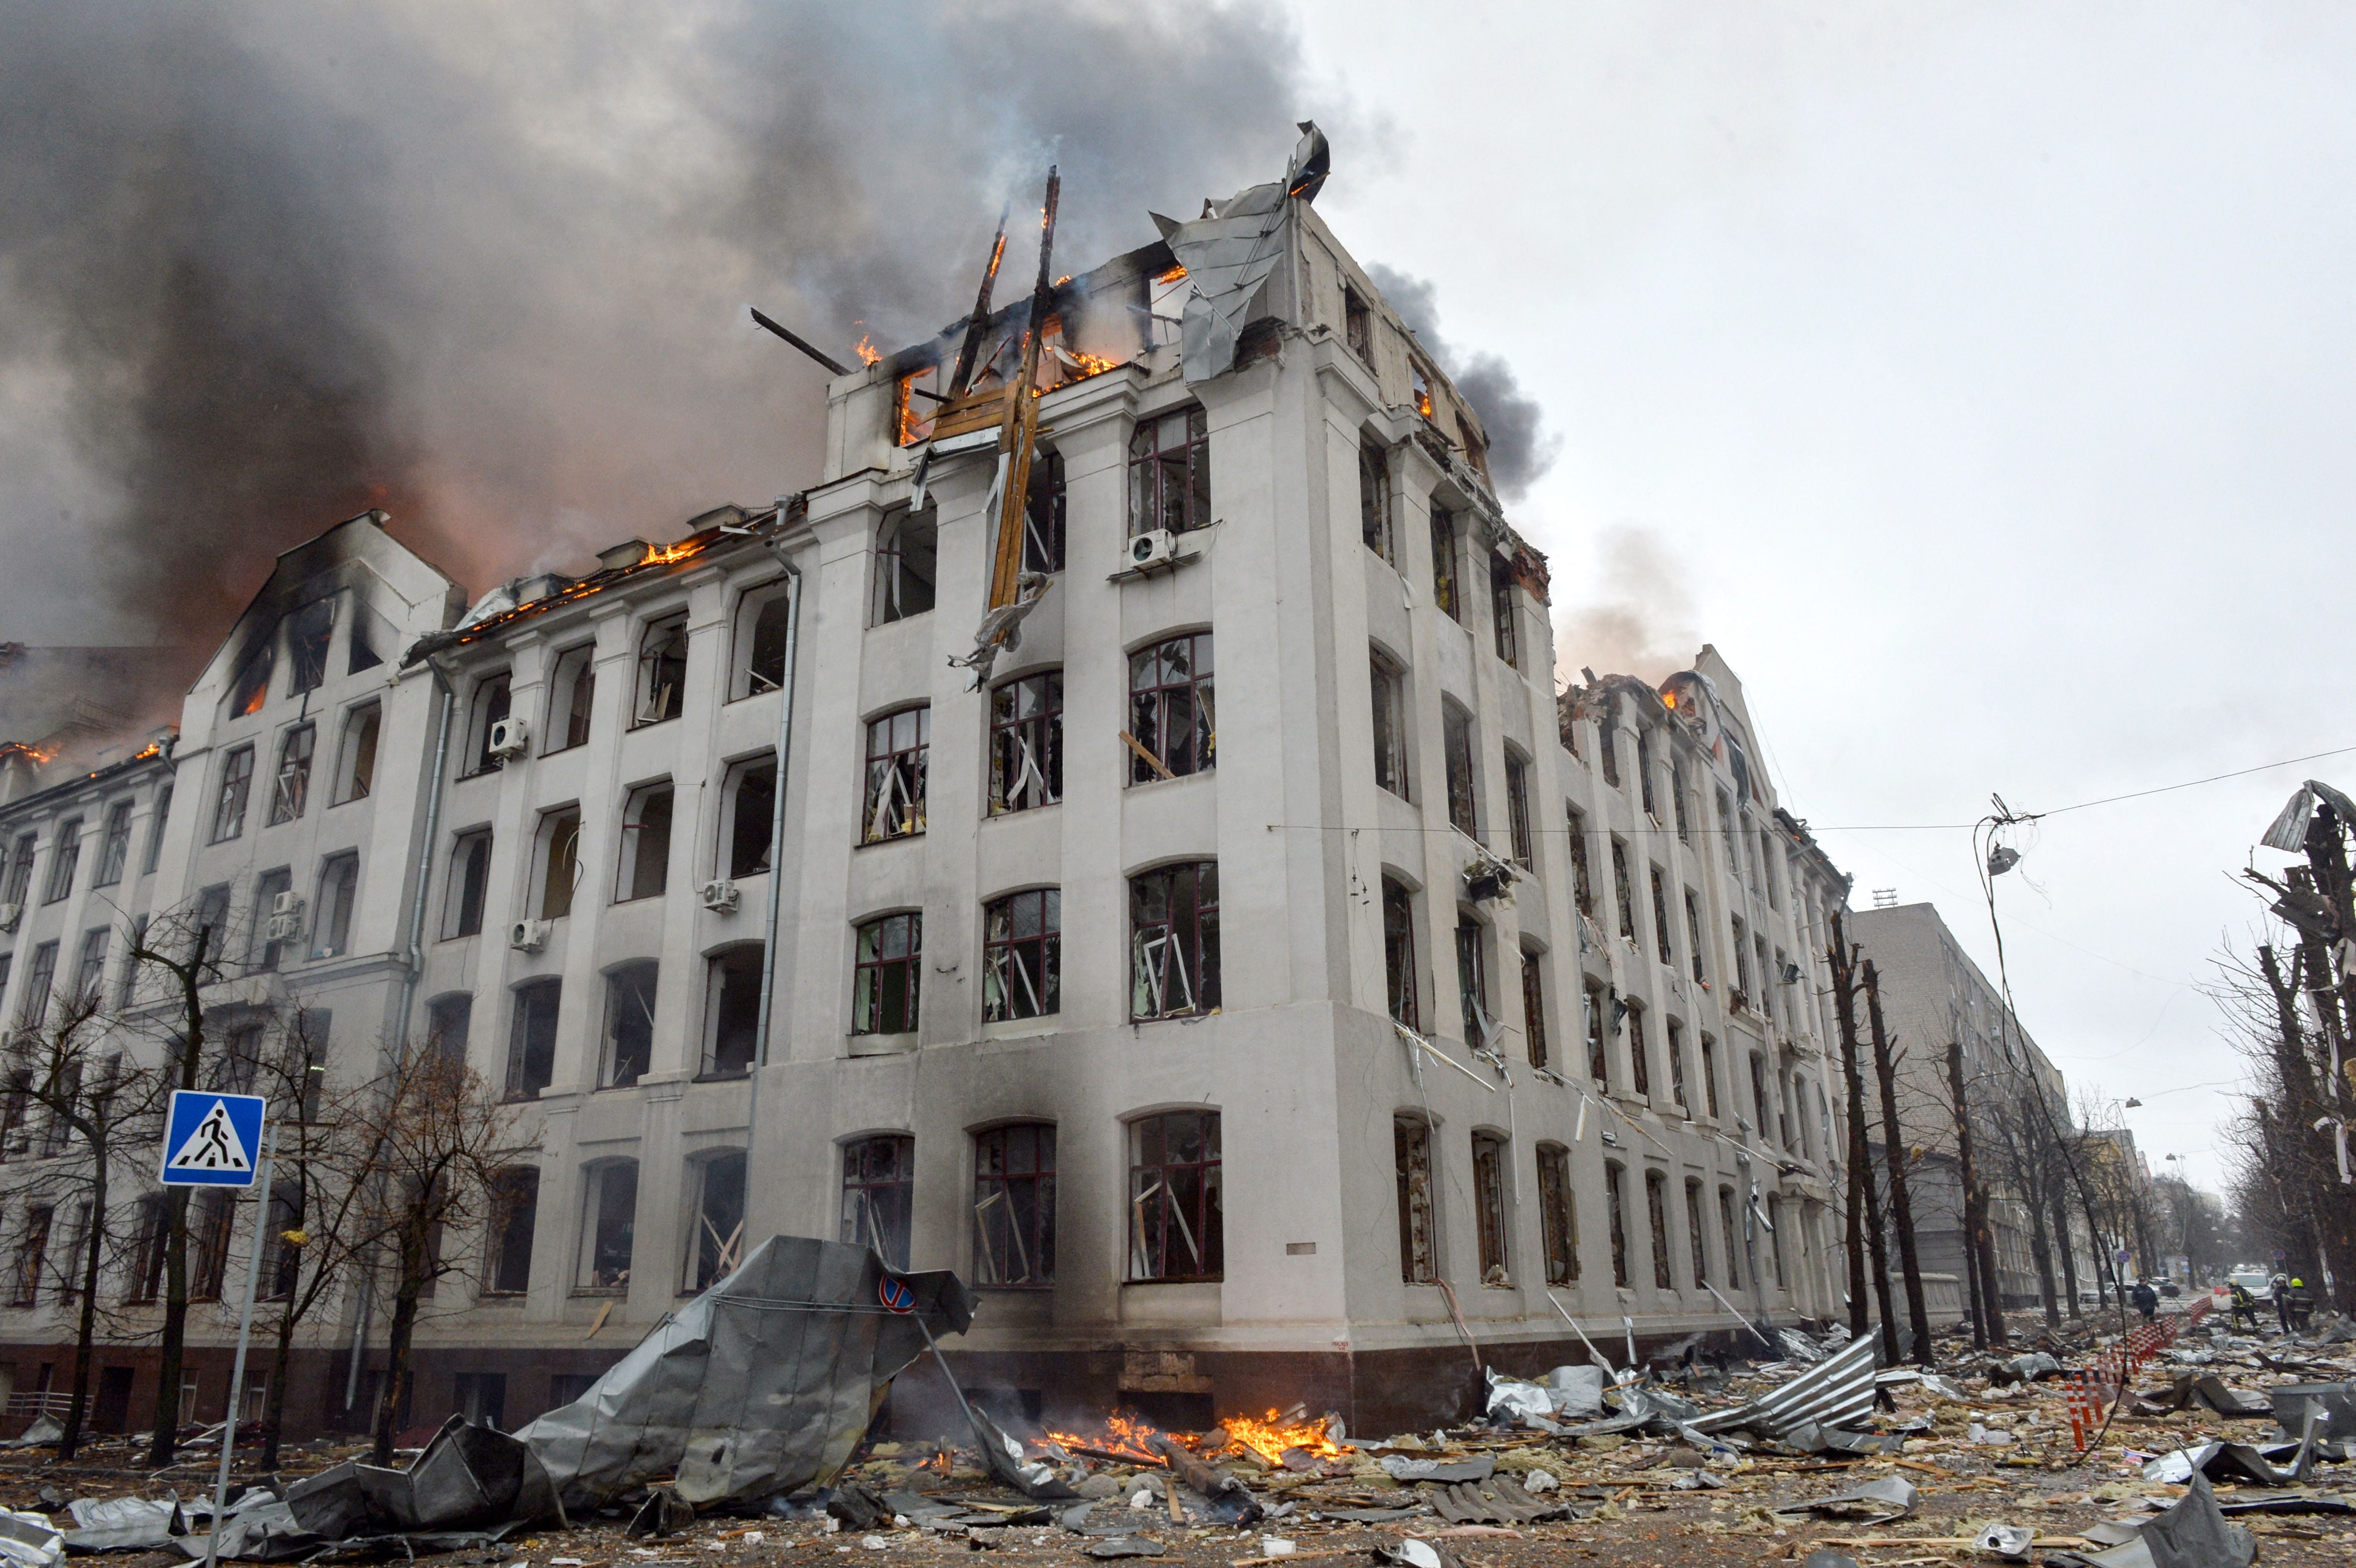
x: 720, y: 898
x: 286, y: 903
x: 1154, y: 547
x: 286, y: 927
x: 529, y: 935
x: 510, y: 737
x: 11, y: 916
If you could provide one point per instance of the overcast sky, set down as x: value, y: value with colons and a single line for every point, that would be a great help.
x: 1978, y: 379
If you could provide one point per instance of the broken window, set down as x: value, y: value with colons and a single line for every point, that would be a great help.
x: 1758, y: 1093
x: 154, y: 1227
x: 1677, y: 798
x: 1358, y: 326
x: 16, y: 1109
x: 907, y: 549
x: 372, y: 634
x: 1693, y: 935
x: 1021, y: 939
x: 210, y: 1222
x: 1775, y: 1240
x: 1173, y: 719
x: 355, y: 757
x: 887, y: 977
x: 1419, y: 386
x: 1456, y: 740
x: 236, y: 780
x: 1625, y: 890
x: 1174, y: 934
x: 1170, y: 473
x: 90, y: 972
x: 20, y: 869
x: 629, y: 1025
x: 1043, y: 515
x: 251, y: 688
x: 1694, y: 1233
x: 1661, y: 918
x: 489, y: 706
x: 1517, y: 810
x: 1443, y: 564
x: 515, y: 1213
x: 292, y: 788
x: 1398, y: 954
x: 1644, y: 775
x: 1676, y: 1047
x: 1390, y: 726
x: 448, y: 1022
x: 1489, y: 1205
x: 571, y: 696
x: 732, y: 1011
x: 645, y: 863
x: 339, y: 877
x: 1615, y: 1200
x: 307, y: 633
x: 1607, y: 745
x: 1176, y: 1225
x: 752, y: 816
x: 1473, y: 982
x: 1501, y: 608
x: 212, y: 922
x: 1558, y: 1214
x: 762, y: 614
x: 1726, y: 1230
x: 898, y: 745
x: 1533, y: 1029
x: 264, y: 946
x: 662, y: 671
x: 1762, y: 999
x: 1165, y: 298
x: 1599, y: 1058
x: 1709, y: 1075
x: 1418, y: 1231
x: 114, y: 853
x: 915, y: 399
x: 717, y: 1245
x: 1026, y: 743
x: 531, y: 1038
x: 1726, y: 835
x: 1374, y: 499
x: 1640, y: 1054
x: 879, y: 1184
x: 1741, y: 964
x: 1014, y: 1204
x: 65, y: 862
x: 559, y: 862
x: 1582, y: 875
x: 469, y: 885
x: 1657, y: 1214
x: 609, y: 1213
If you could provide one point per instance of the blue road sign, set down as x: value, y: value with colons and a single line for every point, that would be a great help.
x: 212, y: 1140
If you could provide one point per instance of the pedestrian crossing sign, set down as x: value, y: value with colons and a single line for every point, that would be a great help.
x: 212, y: 1140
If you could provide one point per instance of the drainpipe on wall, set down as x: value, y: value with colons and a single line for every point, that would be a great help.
x: 777, y: 839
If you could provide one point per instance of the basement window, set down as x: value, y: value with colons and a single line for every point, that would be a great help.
x: 1558, y: 1214
x: 879, y: 1185
x: 662, y: 670
x: 718, y: 1243
x: 630, y: 1024
x: 1418, y: 1230
x: 1014, y: 1204
x: 907, y: 565
x: 1489, y: 1201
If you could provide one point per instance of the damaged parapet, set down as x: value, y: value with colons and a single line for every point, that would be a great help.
x: 761, y: 1385
x: 1229, y: 253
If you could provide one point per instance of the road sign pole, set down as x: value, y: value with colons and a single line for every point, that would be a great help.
x: 244, y: 1334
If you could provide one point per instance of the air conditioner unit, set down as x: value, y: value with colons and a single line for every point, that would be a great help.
x: 286, y: 927
x: 529, y: 935
x: 286, y: 903
x: 509, y: 736
x: 1155, y: 547
x: 11, y: 916
x: 720, y: 898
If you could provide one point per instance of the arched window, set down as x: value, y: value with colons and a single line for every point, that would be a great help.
x: 1170, y: 473
x: 1418, y: 1223
x: 662, y: 670
x: 1400, y: 978
x: 1014, y: 1204
x: 1558, y: 1214
x: 1022, y: 955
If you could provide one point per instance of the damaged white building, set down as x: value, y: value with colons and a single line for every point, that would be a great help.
x: 1253, y: 973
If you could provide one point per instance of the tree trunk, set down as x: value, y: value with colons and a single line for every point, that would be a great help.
x: 397, y: 1337
x: 1860, y: 1149
x: 1991, y: 1276
x: 273, y: 1413
x: 86, y: 1324
x: 1901, y: 1207
x: 175, y: 1326
x: 2043, y: 1254
x: 1860, y: 1163
x: 2057, y: 1203
x: 1987, y: 1311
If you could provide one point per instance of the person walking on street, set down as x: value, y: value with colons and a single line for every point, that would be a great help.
x: 2245, y: 1305
x: 2281, y: 1294
x: 2146, y: 1299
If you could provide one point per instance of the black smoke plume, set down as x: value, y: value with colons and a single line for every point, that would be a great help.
x: 1520, y: 448
x: 262, y: 266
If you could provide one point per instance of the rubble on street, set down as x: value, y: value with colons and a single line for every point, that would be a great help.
x: 1702, y: 1459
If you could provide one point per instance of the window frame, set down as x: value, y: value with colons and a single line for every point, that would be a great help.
x: 528, y: 1002
x: 65, y: 862
x: 1447, y: 572
x: 466, y: 884
x: 1204, y: 1231
x: 1394, y: 770
x: 871, y: 998
x: 1460, y: 752
x: 1154, y: 716
x: 895, y: 776
x: 1534, y: 1019
x: 1198, y: 958
x: 114, y: 847
x: 638, y: 855
x: 1517, y: 810
x: 230, y: 796
x: 1558, y: 1214
x: 709, y: 1257
x: 746, y: 672
x: 1004, y: 949
x: 290, y: 786
x: 571, y: 697
x: 597, y: 1196
x: 1402, y: 979
x: 338, y: 898
x: 742, y: 962
x: 743, y: 777
x: 355, y: 747
x: 1492, y: 1157
x: 491, y: 700
x: 654, y: 700
x: 1026, y: 746
x: 899, y: 579
x: 1001, y: 1214
x: 1419, y: 1219
x: 624, y: 1053
x: 1376, y: 527
x: 1153, y: 462
x: 897, y: 1180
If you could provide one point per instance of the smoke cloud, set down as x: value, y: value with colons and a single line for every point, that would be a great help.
x: 1520, y: 449
x: 1645, y: 624
x: 264, y: 266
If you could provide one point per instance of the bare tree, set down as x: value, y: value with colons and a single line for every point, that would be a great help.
x: 444, y: 1137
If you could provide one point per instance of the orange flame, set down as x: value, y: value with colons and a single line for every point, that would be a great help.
x: 865, y: 348
x: 666, y: 554
x: 1172, y: 275
x: 1271, y: 1437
